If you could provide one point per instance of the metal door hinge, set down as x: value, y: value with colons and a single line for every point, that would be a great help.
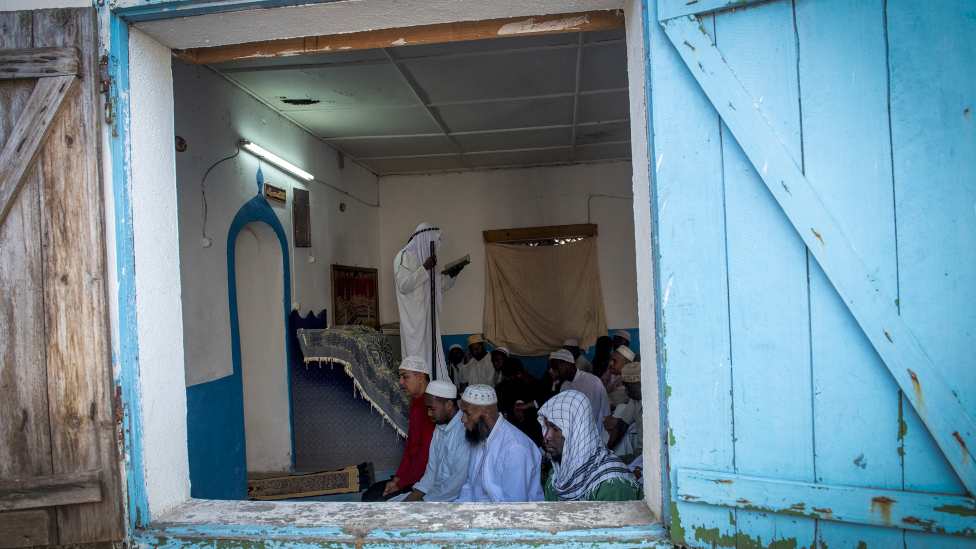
x: 106, y: 81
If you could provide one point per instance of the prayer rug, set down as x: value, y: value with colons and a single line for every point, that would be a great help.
x: 350, y: 479
x: 366, y: 356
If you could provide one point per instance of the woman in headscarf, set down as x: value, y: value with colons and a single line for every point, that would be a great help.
x: 583, y: 469
x: 410, y: 270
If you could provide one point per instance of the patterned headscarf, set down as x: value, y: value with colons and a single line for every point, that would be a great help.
x: 586, y: 461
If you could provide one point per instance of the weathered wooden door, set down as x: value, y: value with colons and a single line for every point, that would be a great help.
x: 815, y: 184
x: 59, y: 467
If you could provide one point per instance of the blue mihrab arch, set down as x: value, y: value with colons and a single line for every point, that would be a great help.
x: 215, y: 410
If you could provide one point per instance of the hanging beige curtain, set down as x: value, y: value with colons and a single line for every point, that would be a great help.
x: 538, y: 296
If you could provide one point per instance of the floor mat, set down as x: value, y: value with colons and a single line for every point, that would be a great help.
x: 350, y: 479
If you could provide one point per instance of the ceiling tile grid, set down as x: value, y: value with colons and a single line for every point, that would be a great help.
x: 502, y: 102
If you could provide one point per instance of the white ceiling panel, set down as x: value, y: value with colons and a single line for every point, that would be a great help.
x: 603, y: 107
x: 499, y: 115
x: 394, y: 146
x: 517, y: 139
x: 372, y: 122
x: 608, y: 151
x: 522, y: 158
x: 349, y: 87
x: 494, y: 75
x: 487, y: 45
x: 602, y: 69
x: 603, y: 133
x: 416, y: 164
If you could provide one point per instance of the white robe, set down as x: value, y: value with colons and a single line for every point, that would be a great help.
x: 481, y: 372
x: 447, y: 466
x: 414, y: 305
x: 505, y: 468
x: 593, y: 388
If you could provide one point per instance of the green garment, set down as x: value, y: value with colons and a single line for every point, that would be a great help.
x: 610, y: 490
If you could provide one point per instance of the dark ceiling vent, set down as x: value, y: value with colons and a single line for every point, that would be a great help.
x: 300, y: 101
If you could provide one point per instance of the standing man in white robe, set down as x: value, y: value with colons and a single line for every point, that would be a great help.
x: 411, y: 271
x: 505, y: 464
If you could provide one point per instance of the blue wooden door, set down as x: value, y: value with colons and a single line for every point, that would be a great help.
x: 814, y: 168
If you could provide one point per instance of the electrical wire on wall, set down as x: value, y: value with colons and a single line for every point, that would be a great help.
x: 203, y: 189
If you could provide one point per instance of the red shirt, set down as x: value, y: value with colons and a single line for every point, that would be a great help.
x: 413, y: 465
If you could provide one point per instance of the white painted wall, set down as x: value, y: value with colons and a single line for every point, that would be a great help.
x: 264, y: 363
x: 212, y: 114
x: 465, y: 204
x: 159, y: 311
x: 17, y: 5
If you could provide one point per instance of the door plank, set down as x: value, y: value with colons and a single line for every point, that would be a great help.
x: 76, y: 316
x: 51, y: 490
x: 847, y: 159
x: 32, y: 129
x: 670, y: 9
x: 697, y: 355
x: 767, y: 269
x: 38, y: 62
x: 891, y: 508
x: 875, y: 311
x: 27, y: 529
x: 25, y: 447
x: 407, y: 36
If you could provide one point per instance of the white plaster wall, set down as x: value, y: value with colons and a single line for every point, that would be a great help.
x: 465, y: 204
x: 264, y: 364
x: 159, y: 310
x: 211, y: 115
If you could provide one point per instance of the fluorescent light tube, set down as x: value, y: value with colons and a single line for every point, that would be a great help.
x: 262, y: 153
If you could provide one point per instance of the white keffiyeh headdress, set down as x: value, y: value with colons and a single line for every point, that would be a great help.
x: 419, y: 247
x: 586, y: 462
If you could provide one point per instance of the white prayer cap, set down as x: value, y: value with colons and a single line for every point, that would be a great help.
x: 455, y: 346
x: 631, y: 372
x: 622, y: 333
x: 571, y: 343
x: 502, y: 350
x: 415, y: 364
x: 482, y: 395
x: 625, y: 350
x: 564, y: 355
x: 443, y: 389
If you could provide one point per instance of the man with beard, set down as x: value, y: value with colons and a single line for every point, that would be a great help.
x: 498, y: 357
x: 582, y: 467
x: 480, y: 370
x: 457, y: 370
x: 504, y: 464
x: 562, y: 367
x: 414, y: 378
x: 625, y: 434
x: 447, y: 467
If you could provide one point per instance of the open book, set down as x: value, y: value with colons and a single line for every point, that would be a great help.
x: 456, y: 263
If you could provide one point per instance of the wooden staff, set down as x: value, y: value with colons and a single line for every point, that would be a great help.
x: 433, y: 322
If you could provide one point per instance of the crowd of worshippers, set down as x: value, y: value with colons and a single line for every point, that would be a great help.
x: 574, y: 435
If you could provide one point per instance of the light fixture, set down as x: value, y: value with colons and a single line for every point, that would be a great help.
x: 263, y: 154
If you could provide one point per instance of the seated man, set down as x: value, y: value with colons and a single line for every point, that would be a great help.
x: 582, y: 467
x: 504, y: 464
x: 601, y: 355
x: 447, y: 468
x: 582, y: 364
x: 625, y: 435
x: 480, y: 370
x: 519, y: 397
x: 562, y: 367
x: 498, y: 357
x: 456, y: 368
x: 621, y: 337
x: 414, y: 378
x: 621, y: 357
